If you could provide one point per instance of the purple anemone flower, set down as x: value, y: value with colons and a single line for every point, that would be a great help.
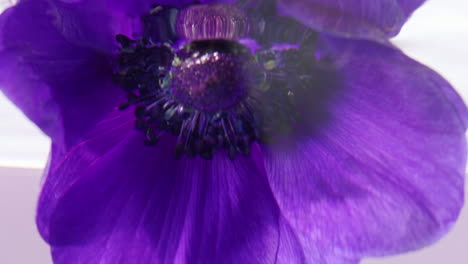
x: 203, y: 132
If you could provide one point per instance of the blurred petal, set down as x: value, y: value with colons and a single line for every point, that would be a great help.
x: 63, y: 88
x: 376, y: 20
x: 382, y: 170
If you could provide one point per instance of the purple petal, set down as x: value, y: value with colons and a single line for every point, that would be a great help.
x: 377, y: 19
x: 63, y: 88
x: 113, y: 200
x: 94, y: 24
x: 133, y: 8
x: 383, y: 170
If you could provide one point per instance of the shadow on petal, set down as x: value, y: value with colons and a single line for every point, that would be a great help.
x: 385, y: 173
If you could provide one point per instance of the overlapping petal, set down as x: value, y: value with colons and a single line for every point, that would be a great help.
x: 383, y: 171
x: 378, y: 170
x: 62, y: 87
x: 376, y: 20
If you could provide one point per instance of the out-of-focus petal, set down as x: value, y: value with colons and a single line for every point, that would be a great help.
x: 381, y: 169
x: 376, y: 20
x: 63, y: 88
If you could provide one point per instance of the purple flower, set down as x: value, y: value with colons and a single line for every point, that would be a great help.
x: 233, y: 131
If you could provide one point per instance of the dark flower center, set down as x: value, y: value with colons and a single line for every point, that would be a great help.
x: 212, y: 75
x: 189, y: 75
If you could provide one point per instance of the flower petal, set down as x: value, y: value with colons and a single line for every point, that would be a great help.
x: 382, y: 170
x: 93, y: 24
x: 376, y: 20
x: 63, y: 88
x: 114, y: 200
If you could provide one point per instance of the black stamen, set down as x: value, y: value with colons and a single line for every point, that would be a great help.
x: 210, y: 94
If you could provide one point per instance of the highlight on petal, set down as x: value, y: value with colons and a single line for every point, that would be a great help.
x: 375, y: 20
x: 383, y: 172
x: 63, y: 88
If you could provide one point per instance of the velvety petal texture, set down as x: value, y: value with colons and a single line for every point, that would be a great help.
x: 376, y: 20
x: 100, y: 204
x: 383, y: 171
x: 60, y: 86
x: 376, y: 168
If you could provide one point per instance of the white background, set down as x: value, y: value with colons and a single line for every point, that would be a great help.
x: 437, y: 35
